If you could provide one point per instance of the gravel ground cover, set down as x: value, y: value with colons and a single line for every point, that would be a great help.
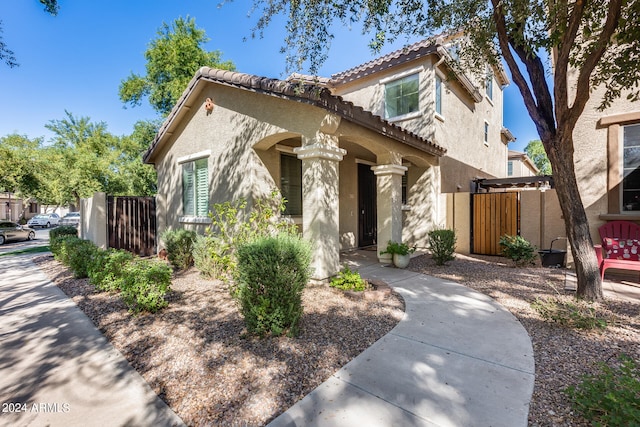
x: 195, y: 356
x: 562, y: 354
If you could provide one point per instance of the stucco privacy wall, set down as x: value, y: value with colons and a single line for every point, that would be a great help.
x: 541, y: 219
x: 93, y: 220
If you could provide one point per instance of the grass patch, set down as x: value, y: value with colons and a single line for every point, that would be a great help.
x: 32, y: 250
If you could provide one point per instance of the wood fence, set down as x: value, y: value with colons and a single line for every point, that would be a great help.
x: 131, y: 224
x: 494, y: 215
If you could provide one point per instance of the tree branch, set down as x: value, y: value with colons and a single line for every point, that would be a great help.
x: 542, y: 119
x: 582, y: 87
x: 569, y: 34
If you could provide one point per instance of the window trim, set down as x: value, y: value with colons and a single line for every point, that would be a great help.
x: 182, y: 161
x: 283, y: 154
x: 614, y: 124
x: 486, y: 133
x: 395, y: 78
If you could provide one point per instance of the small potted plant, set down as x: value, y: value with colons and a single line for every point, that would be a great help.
x: 401, y: 253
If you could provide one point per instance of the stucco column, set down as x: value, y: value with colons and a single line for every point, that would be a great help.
x: 389, y: 199
x: 320, y: 202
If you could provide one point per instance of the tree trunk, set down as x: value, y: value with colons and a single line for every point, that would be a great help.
x: 575, y: 217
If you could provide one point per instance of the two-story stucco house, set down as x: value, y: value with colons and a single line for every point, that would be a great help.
x: 362, y: 157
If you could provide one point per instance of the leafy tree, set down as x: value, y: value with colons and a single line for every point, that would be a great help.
x: 591, y: 42
x: 140, y: 178
x: 19, y: 164
x: 172, y: 60
x: 535, y: 151
x: 6, y: 55
x: 83, y: 160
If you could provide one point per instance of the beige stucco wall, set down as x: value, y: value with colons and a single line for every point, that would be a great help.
x: 93, y: 220
x: 521, y: 168
x: 541, y: 219
x: 458, y: 218
x: 460, y: 128
x: 592, y: 157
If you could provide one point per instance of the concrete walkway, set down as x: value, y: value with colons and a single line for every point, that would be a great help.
x: 56, y: 368
x: 457, y: 358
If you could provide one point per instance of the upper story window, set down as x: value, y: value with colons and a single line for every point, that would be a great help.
x: 195, y: 187
x: 510, y: 168
x: 438, y: 94
x: 291, y: 183
x: 631, y: 168
x: 486, y: 133
x: 401, y: 96
x: 489, y: 84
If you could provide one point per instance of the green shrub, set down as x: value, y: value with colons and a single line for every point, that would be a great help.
x: 179, y: 244
x: 106, y: 269
x: 213, y: 257
x: 398, y: 248
x: 57, y: 234
x: 348, y: 280
x: 62, y: 248
x: 518, y: 249
x: 234, y: 224
x: 611, y: 397
x: 145, y: 284
x: 442, y: 244
x: 272, y: 273
x: 63, y: 230
x: 80, y: 253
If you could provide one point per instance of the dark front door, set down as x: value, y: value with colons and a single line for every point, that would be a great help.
x: 367, y: 220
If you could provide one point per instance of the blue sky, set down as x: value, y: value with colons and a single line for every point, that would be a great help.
x: 76, y: 60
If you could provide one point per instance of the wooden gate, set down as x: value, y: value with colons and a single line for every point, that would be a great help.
x: 494, y: 215
x: 131, y: 224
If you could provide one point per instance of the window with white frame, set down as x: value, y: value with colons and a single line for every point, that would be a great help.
x: 402, y: 96
x: 195, y: 188
x: 631, y: 168
x: 438, y: 94
x: 489, y: 84
x: 510, y: 168
x: 486, y: 133
x: 291, y: 183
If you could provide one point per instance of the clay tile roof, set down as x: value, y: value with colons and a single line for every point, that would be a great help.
x: 314, y: 94
x: 409, y: 53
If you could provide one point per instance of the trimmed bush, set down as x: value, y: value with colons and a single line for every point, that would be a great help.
x: 145, y: 284
x: 58, y: 233
x: 179, y: 244
x: 442, y: 244
x: 272, y: 273
x: 518, y: 249
x: 80, y: 253
x: 106, y: 269
x: 62, y: 248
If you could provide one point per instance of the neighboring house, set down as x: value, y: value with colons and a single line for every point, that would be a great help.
x: 362, y: 158
x: 13, y: 208
x: 520, y: 164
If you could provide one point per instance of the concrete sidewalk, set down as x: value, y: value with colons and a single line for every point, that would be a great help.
x: 457, y: 358
x: 56, y: 368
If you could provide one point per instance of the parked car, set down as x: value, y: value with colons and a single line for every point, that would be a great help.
x: 12, y: 231
x: 44, y: 220
x: 72, y: 218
